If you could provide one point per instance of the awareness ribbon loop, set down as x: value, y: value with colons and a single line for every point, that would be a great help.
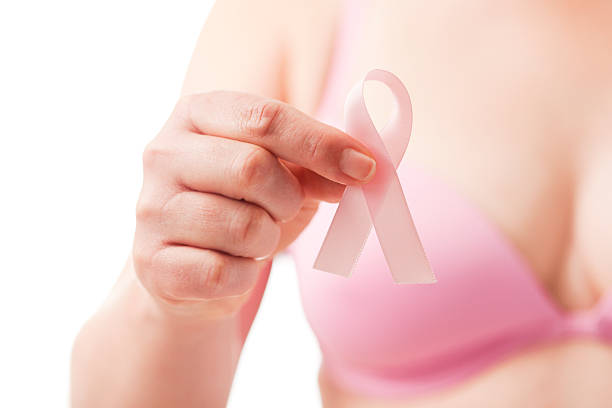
x: 380, y: 202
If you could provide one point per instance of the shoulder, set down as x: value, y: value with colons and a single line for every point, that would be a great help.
x: 274, y: 48
x: 312, y: 36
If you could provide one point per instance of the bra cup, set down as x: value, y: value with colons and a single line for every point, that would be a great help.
x: 484, y: 290
x: 379, y: 337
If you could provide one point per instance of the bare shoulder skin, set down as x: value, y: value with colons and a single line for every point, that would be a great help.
x: 273, y: 48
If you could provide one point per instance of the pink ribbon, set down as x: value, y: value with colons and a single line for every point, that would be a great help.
x: 380, y: 202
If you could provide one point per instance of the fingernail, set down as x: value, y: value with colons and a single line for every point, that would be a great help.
x: 357, y: 165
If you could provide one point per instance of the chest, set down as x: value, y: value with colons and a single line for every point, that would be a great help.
x: 512, y: 106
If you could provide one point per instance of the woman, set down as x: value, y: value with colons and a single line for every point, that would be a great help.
x: 507, y: 175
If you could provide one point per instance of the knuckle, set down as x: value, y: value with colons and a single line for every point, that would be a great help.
x: 312, y: 145
x: 214, y: 274
x: 170, y: 206
x: 145, y: 209
x: 245, y: 224
x: 259, y: 118
x: 255, y: 168
x: 152, y: 206
x: 143, y: 259
x: 154, y: 155
x: 193, y: 208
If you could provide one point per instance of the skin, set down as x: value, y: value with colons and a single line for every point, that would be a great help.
x: 522, y: 112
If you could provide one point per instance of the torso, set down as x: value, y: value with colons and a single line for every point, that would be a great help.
x: 510, y: 100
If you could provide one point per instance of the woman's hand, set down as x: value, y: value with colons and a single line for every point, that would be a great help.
x: 232, y: 179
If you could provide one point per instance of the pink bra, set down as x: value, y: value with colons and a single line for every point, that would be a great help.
x: 383, y: 339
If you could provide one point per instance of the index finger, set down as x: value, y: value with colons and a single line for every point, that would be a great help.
x: 285, y: 131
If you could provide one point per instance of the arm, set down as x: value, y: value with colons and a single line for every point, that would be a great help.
x: 134, y: 353
x: 209, y: 221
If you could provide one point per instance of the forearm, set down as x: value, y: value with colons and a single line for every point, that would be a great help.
x: 134, y: 353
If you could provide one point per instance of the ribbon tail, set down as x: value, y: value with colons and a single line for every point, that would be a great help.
x: 405, y: 257
x: 346, y: 235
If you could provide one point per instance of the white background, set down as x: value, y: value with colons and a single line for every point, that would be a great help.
x: 83, y: 87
